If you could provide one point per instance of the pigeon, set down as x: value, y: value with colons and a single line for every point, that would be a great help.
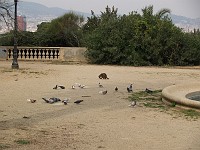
x: 59, y: 87
x: 78, y: 101
x: 65, y: 101
x: 55, y: 87
x: 130, y: 88
x: 148, y: 90
x: 103, y: 92
x: 51, y: 100
x: 77, y: 84
x: 26, y: 117
x: 46, y: 100
x: 132, y: 104
x: 31, y: 100
x: 116, y: 89
x: 82, y: 86
x: 100, y: 85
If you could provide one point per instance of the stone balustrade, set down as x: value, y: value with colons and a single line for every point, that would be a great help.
x: 44, y: 53
x: 35, y: 53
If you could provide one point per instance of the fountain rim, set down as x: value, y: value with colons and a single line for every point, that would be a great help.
x: 177, y: 94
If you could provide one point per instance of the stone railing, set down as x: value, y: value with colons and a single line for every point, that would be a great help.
x: 44, y: 53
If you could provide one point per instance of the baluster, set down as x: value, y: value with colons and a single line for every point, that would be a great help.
x: 37, y: 53
x: 33, y: 51
x: 53, y: 51
x: 49, y: 52
x: 9, y: 53
x: 25, y: 52
x: 21, y: 53
x: 41, y: 53
x: 29, y: 53
x: 45, y: 53
x: 57, y: 51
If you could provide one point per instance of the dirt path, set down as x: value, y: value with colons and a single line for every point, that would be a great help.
x: 100, y: 121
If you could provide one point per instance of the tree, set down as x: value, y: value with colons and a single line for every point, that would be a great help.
x: 134, y: 39
x: 62, y: 31
x: 6, y: 12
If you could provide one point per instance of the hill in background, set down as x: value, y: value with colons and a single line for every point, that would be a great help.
x: 36, y: 13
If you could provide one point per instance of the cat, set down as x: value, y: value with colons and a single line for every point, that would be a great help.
x: 103, y: 76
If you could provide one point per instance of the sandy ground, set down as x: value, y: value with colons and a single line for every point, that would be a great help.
x: 100, y: 121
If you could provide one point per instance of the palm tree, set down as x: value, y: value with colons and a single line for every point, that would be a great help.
x: 161, y: 13
x: 148, y: 12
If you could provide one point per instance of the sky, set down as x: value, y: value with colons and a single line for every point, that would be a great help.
x: 187, y: 8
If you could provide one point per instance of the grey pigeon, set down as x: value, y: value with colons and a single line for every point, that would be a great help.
x: 130, y: 88
x: 51, y: 100
x: 78, y: 101
x: 59, y: 87
x: 116, y: 89
x: 46, y: 100
x: 104, y: 92
x: 56, y: 87
x: 82, y: 86
x: 65, y: 101
x: 148, y: 90
x: 100, y: 85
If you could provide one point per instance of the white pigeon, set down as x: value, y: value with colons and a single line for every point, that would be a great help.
x: 31, y: 100
x: 77, y: 84
x: 103, y: 92
x: 132, y: 104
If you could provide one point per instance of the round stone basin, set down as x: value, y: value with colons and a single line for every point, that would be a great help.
x: 183, y: 94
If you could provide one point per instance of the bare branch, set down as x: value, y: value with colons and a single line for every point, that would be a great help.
x: 6, y: 12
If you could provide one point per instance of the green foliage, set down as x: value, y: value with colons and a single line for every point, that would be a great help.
x: 6, y: 39
x: 134, y: 39
x: 23, y: 39
x: 62, y: 31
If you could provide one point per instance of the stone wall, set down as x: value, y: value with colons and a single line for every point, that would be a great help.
x: 67, y: 54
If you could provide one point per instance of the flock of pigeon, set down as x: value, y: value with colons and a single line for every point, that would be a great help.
x: 103, y: 92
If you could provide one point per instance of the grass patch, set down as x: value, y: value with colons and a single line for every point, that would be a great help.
x: 22, y: 142
x: 154, y: 100
x: 151, y: 100
x: 191, y: 113
x: 4, y: 146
